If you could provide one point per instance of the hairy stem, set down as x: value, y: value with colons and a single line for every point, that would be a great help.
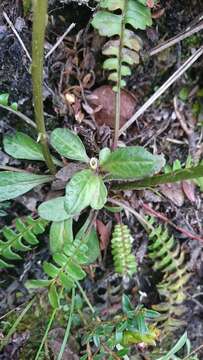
x: 118, y: 91
x: 179, y: 175
x: 39, y: 25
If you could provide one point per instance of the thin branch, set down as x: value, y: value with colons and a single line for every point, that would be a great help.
x: 174, y: 40
x: 183, y: 68
x: 20, y: 115
x: 17, y: 35
x: 60, y: 40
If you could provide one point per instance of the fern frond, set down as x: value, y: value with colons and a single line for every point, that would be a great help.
x: 21, y: 239
x: 169, y: 258
x: 123, y: 49
x: 121, y: 243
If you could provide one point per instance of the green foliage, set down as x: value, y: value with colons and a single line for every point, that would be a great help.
x: 4, y: 100
x: 133, y: 162
x: 178, y: 346
x: 69, y: 145
x: 84, y: 189
x: 169, y: 258
x: 53, y: 210
x: 61, y: 234
x: 68, y: 257
x: 22, y: 146
x: 129, y: 328
x: 123, y: 51
x: 21, y: 239
x: 121, y: 243
x: 14, y: 184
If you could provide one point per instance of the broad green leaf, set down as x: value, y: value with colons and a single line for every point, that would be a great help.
x: 69, y: 145
x: 53, y: 210
x: 92, y: 242
x: 53, y: 297
x: 37, y: 284
x: 133, y: 162
x: 14, y: 184
x: 61, y: 234
x: 84, y: 189
x: 22, y: 146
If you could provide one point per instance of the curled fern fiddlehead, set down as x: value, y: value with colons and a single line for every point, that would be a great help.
x: 123, y: 49
x: 169, y: 258
x: 24, y: 236
x: 121, y: 243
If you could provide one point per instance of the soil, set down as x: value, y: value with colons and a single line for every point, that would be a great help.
x: 71, y: 75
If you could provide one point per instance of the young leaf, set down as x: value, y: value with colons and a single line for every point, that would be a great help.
x: 36, y: 284
x: 14, y: 184
x: 61, y: 234
x: 84, y: 189
x: 103, y: 155
x: 92, y: 242
x: 4, y: 99
x: 53, y: 297
x: 69, y: 145
x: 132, y: 162
x: 53, y: 210
x: 22, y: 146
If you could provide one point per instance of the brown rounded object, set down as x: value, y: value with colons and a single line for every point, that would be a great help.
x: 103, y: 101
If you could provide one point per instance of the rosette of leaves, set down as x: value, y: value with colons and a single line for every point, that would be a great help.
x: 86, y: 187
x: 118, y: 19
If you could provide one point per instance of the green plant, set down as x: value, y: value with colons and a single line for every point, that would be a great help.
x: 169, y: 258
x: 132, y: 326
x: 123, y: 49
x: 24, y: 236
x: 124, y: 260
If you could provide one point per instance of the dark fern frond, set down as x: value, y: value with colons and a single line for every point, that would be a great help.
x: 169, y: 258
x: 21, y: 239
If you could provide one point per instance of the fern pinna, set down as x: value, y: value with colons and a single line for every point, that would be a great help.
x: 169, y: 258
x: 21, y: 239
x: 117, y: 19
x: 121, y: 243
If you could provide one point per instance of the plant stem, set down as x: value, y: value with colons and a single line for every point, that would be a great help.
x: 39, y: 25
x: 85, y: 297
x: 179, y: 175
x: 65, y: 339
x: 118, y: 91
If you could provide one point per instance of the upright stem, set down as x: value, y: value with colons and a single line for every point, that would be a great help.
x: 38, y: 34
x: 118, y: 92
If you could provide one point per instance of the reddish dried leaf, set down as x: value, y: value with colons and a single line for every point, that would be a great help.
x: 104, y: 232
x: 189, y: 190
x: 105, y: 97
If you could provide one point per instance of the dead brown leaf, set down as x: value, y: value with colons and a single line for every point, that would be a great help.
x: 104, y: 232
x: 105, y: 98
x: 174, y: 193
